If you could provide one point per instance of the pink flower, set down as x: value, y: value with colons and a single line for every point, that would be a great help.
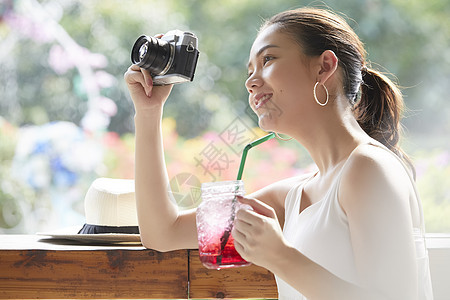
x: 104, y: 79
x: 28, y: 27
x: 59, y: 60
x: 107, y: 106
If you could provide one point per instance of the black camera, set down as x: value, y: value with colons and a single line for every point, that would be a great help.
x: 170, y: 59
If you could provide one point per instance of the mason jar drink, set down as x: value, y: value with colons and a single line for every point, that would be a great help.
x: 215, y: 220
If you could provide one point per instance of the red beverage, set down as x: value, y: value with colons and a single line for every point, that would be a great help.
x: 228, y: 258
x: 215, y: 220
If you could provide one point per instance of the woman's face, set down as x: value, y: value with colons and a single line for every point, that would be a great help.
x: 280, y: 82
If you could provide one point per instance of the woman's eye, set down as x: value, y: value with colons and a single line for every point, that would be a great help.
x: 267, y: 58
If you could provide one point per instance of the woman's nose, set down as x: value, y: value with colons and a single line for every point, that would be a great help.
x: 252, y: 83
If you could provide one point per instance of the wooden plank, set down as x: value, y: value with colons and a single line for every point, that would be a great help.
x: 77, y: 273
x: 31, y: 269
x: 243, y: 282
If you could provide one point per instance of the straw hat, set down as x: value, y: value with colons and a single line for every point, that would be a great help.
x: 111, y: 215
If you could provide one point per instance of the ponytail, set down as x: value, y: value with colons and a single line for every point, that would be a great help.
x: 379, y: 111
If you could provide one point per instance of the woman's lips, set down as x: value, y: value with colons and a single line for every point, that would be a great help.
x: 260, y: 101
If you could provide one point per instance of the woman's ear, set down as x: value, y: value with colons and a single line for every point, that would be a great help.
x: 328, y: 65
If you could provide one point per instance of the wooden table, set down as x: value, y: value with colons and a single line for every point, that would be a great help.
x: 33, y: 267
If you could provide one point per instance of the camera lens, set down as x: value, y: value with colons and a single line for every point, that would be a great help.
x: 152, y: 54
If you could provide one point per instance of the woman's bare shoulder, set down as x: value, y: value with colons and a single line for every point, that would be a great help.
x: 374, y: 160
x: 373, y: 170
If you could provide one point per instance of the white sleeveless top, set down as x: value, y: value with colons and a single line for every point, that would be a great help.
x: 322, y: 234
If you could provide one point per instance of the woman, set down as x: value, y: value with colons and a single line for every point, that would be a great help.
x: 354, y: 229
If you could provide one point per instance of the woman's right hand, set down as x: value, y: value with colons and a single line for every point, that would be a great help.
x: 145, y: 96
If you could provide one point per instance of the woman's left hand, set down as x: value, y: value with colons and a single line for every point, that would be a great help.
x: 258, y: 237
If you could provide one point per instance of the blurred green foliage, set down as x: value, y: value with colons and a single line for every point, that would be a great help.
x: 57, y: 57
x: 411, y: 39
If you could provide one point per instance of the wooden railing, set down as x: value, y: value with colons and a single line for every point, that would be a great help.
x: 35, y: 268
x: 31, y: 268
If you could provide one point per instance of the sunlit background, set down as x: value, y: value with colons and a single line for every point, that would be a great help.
x: 66, y: 117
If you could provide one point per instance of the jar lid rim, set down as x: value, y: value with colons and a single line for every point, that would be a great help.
x: 222, y: 183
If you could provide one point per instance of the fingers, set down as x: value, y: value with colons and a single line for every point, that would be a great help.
x: 258, y: 206
x: 135, y: 77
x: 147, y: 77
x: 238, y: 233
x: 250, y: 217
x: 251, y: 224
x: 242, y: 251
x: 240, y: 238
x: 242, y: 226
x: 257, y: 233
x: 134, y: 67
x: 148, y: 80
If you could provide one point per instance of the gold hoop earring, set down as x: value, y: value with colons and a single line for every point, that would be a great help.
x: 283, y: 139
x: 315, y: 95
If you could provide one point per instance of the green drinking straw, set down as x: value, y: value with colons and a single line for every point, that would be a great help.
x: 226, y: 235
x: 250, y: 146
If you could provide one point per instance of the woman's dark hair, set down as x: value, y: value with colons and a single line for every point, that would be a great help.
x: 377, y: 102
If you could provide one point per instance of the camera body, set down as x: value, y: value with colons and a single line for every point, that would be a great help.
x: 171, y: 59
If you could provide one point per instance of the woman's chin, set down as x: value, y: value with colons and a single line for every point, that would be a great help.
x: 265, y: 122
